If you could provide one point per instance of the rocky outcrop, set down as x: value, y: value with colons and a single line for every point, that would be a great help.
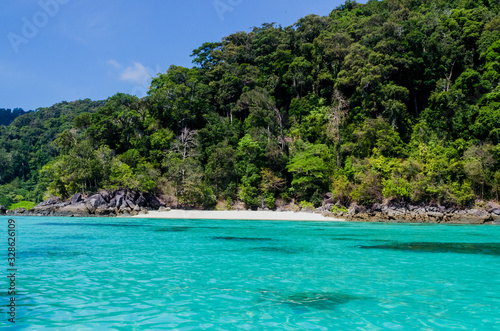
x: 3, y: 210
x: 105, y: 203
x: 17, y: 211
x: 405, y: 213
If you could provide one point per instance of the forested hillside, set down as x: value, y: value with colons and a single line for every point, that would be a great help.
x: 27, y: 145
x: 7, y: 116
x: 393, y: 99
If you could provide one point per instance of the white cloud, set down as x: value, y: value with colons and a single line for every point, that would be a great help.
x: 115, y: 64
x: 137, y: 74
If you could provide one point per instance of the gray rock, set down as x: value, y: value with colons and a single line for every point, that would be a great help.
x: 327, y: 207
x: 132, y: 196
x: 106, y: 196
x: 118, y: 201
x: 327, y: 199
x: 94, y: 202
x: 162, y: 209
x: 420, y: 211
x: 491, y: 207
x: 124, y: 205
x: 103, y: 211
x: 152, y: 201
x: 141, y: 201
x: 466, y: 219
x: 435, y: 214
x: 17, y: 211
x: 78, y: 208
x: 48, y: 202
x: 76, y: 199
x: 130, y: 203
x: 3, y: 210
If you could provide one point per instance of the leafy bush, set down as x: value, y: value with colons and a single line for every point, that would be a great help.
x: 341, y: 190
x: 316, y: 199
x: 461, y: 195
x: 339, y: 209
x: 208, y: 197
x: 368, y: 191
x: 306, y: 205
x: 397, y: 188
x: 270, y: 201
x: 23, y: 204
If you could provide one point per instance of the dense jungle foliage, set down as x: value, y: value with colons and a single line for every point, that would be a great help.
x: 26, y: 145
x: 393, y: 99
x: 7, y: 116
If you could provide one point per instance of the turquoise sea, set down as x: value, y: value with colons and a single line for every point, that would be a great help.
x: 133, y: 274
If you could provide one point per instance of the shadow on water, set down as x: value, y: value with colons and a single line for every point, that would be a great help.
x: 49, y: 253
x: 173, y: 229
x: 437, y: 247
x: 183, y: 228
x: 241, y: 239
x: 285, y: 250
x: 206, y: 227
x: 118, y: 225
x: 310, y: 301
x: 318, y: 301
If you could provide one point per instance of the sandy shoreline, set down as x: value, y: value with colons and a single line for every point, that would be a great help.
x: 238, y: 215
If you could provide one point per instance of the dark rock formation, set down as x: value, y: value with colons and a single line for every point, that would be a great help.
x: 17, y: 211
x: 75, y: 199
x: 3, y: 210
x: 404, y: 213
x: 105, y: 203
x: 493, y: 208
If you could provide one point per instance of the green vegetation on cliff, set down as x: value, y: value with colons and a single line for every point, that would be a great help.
x: 26, y: 145
x: 394, y: 99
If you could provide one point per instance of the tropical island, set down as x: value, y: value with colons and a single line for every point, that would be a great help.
x: 388, y: 110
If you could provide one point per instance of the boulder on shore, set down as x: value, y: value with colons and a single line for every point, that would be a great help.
x: 77, y: 208
x: 104, y: 203
x: 404, y: 213
x: 17, y: 211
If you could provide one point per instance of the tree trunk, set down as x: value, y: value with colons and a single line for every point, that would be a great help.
x: 279, y: 116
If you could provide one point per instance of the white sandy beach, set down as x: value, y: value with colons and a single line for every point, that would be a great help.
x: 238, y: 215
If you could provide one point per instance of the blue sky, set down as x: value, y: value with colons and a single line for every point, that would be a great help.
x: 64, y: 50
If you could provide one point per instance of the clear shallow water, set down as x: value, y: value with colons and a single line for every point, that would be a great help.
x: 111, y: 273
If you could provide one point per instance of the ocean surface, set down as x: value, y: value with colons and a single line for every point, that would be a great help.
x: 147, y: 274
